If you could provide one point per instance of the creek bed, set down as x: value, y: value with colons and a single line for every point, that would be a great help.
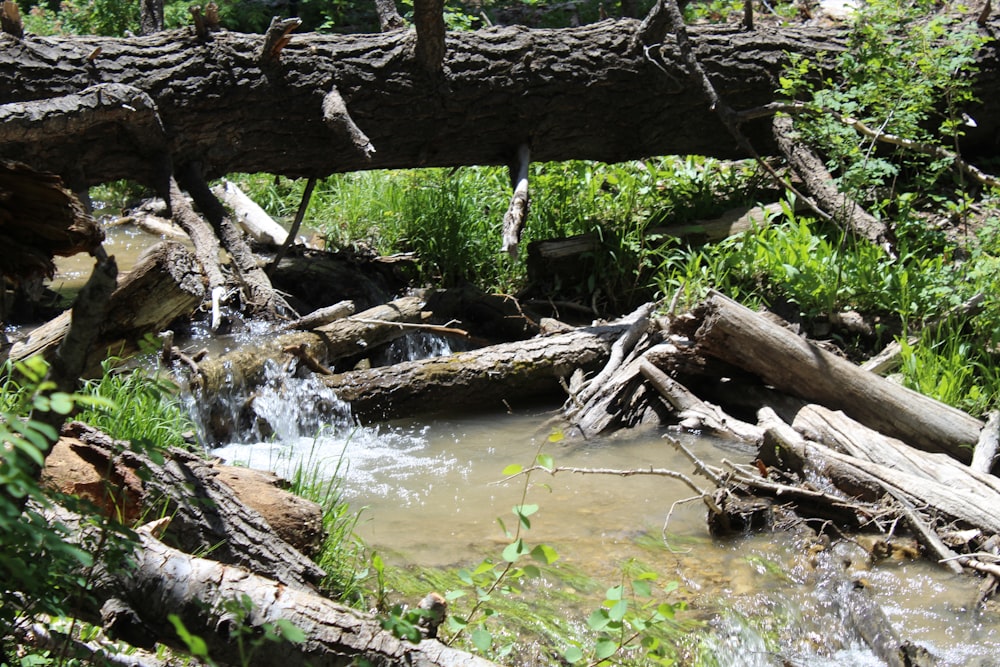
x: 432, y: 492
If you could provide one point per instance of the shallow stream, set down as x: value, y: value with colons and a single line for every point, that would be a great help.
x: 432, y: 492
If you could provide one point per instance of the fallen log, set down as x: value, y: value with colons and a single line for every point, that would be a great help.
x: 165, y: 283
x: 842, y: 434
x: 203, y: 593
x: 245, y: 366
x: 206, y: 516
x: 859, y: 478
x: 490, y: 377
x: 252, y: 218
x: 799, y: 367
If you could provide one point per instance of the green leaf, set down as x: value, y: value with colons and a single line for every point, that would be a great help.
x: 642, y: 588
x: 618, y: 609
x: 598, y: 620
x: 512, y: 469
x: 543, y: 553
x: 482, y: 640
x: 465, y: 577
x: 556, y: 436
x: 572, y: 655
x: 666, y: 610
x: 514, y: 550
x: 196, y: 645
x: 605, y: 648
x: 289, y: 631
x: 531, y: 571
x: 454, y: 595
x: 61, y: 403
x: 545, y: 461
x: 523, y: 512
x: 482, y: 568
x: 614, y: 593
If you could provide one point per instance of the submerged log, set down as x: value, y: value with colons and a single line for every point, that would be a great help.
x: 245, y: 366
x: 166, y: 283
x: 487, y: 378
x: 799, y: 367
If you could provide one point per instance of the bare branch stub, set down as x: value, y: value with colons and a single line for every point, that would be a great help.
x: 428, y: 15
x: 10, y: 19
x: 277, y: 38
x: 388, y: 17
x: 338, y: 118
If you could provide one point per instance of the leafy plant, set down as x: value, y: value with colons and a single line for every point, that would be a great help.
x: 43, y: 570
x: 628, y: 620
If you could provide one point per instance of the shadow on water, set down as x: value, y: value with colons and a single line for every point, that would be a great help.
x: 432, y: 492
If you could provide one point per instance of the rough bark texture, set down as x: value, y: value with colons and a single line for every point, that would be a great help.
x: 166, y: 581
x: 206, y: 517
x: 794, y: 365
x: 564, y: 92
x: 481, y: 379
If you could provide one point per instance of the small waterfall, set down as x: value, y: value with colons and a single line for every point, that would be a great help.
x: 300, y: 422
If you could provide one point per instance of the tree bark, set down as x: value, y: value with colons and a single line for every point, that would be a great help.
x: 563, y: 92
x: 796, y: 366
x: 488, y: 378
x: 206, y: 516
x: 165, y: 581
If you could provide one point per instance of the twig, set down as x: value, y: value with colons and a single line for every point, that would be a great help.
x: 293, y: 232
x: 423, y: 327
x: 666, y: 522
x: 618, y: 472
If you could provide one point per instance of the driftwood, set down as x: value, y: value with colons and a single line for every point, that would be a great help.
x: 206, y: 516
x: 970, y: 504
x: 794, y: 365
x: 165, y: 284
x: 821, y: 186
x: 488, y: 378
x: 252, y: 218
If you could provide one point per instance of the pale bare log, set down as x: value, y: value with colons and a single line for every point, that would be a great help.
x: 794, y: 365
x: 252, y: 218
x: 989, y: 442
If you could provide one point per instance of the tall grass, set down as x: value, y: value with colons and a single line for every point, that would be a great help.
x: 342, y: 554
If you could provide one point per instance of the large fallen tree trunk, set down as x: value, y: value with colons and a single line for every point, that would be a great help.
x: 217, y: 102
x: 486, y: 378
x: 206, y: 516
x: 794, y: 365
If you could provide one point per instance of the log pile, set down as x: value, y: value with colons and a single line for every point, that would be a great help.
x: 833, y: 440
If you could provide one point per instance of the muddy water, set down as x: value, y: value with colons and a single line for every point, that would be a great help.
x: 432, y: 493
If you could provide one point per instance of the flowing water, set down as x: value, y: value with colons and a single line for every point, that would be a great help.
x: 432, y: 492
